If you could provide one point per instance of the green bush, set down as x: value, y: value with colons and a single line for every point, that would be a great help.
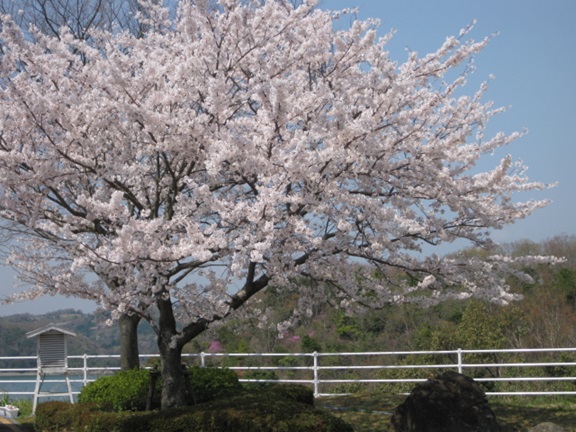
x: 123, y: 391
x: 128, y: 390
x: 267, y: 411
x: 276, y: 409
x: 296, y: 392
x: 208, y: 383
x: 57, y: 416
x: 87, y: 417
x: 259, y: 375
x: 292, y: 362
x: 350, y: 387
x: 309, y: 344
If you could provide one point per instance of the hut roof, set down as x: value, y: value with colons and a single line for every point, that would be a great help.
x: 50, y: 328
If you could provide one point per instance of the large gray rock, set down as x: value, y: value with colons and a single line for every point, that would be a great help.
x: 547, y: 427
x: 451, y: 402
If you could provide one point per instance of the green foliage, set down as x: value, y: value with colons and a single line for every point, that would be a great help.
x: 393, y: 387
x: 240, y: 345
x: 57, y: 416
x: 483, y: 326
x: 347, y: 327
x: 296, y: 392
x: 277, y: 409
x: 208, y: 383
x: 375, y: 322
x: 24, y: 406
x: 349, y: 388
x: 128, y: 390
x: 123, y: 391
x: 259, y: 375
x: 52, y: 417
x: 247, y: 412
x: 86, y: 417
x: 288, y: 361
x: 291, y: 362
x: 564, y: 280
x: 440, y: 337
x: 309, y: 344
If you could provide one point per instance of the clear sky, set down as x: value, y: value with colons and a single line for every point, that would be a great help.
x: 533, y: 59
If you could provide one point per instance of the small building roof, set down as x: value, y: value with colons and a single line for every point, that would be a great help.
x: 52, y: 328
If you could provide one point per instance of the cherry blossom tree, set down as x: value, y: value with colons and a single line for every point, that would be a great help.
x: 80, y: 17
x: 242, y: 144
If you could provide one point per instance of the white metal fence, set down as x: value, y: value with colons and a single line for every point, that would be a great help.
x: 543, y: 371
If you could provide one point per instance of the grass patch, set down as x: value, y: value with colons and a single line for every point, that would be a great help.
x: 372, y: 412
x: 25, y: 417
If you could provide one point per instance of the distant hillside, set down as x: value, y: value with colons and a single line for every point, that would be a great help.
x: 93, y: 335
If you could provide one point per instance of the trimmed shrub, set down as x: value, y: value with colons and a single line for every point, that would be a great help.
x: 259, y: 375
x: 272, y: 410
x: 123, y: 391
x: 58, y: 416
x: 268, y: 411
x: 208, y: 383
x: 86, y: 417
x: 243, y: 412
x: 128, y: 390
x: 296, y: 392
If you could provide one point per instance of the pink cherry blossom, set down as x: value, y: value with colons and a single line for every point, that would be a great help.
x: 177, y: 175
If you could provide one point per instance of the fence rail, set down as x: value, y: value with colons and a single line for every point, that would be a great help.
x: 541, y: 371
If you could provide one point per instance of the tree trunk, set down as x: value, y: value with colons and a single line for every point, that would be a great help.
x: 129, y: 354
x: 171, y: 341
x: 173, y: 386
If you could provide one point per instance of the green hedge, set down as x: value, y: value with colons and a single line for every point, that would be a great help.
x: 208, y: 383
x: 128, y: 390
x: 124, y: 391
x: 298, y: 393
x: 259, y: 375
x: 274, y: 410
x: 57, y: 416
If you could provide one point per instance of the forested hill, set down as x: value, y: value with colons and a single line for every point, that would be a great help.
x: 93, y: 335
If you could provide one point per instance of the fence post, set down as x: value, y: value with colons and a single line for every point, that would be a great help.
x: 85, y: 358
x: 460, y: 360
x: 202, y: 361
x: 316, y: 382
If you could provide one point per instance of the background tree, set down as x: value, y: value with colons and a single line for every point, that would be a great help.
x: 244, y: 144
x: 81, y: 18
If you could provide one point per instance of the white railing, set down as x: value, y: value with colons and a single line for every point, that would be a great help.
x: 542, y: 371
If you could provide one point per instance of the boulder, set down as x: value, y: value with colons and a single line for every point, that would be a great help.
x: 547, y: 427
x: 450, y: 402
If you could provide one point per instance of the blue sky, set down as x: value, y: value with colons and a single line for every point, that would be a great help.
x: 533, y: 59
